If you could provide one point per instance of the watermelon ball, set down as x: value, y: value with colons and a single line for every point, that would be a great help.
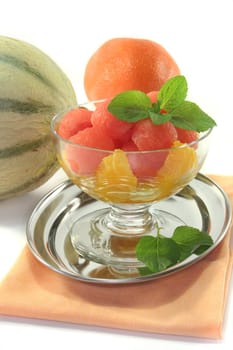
x: 82, y: 160
x: 148, y: 136
x: 129, y: 146
x: 144, y: 164
x: 118, y: 130
x: 186, y: 136
x: 74, y: 121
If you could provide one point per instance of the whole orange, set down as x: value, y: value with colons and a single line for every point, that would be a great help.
x: 127, y: 64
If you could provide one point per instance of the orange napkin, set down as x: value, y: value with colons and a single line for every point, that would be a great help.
x: 190, y: 302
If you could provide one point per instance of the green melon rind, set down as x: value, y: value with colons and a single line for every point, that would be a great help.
x: 32, y: 174
x: 23, y: 147
x: 26, y: 68
x: 32, y: 90
x: 21, y: 60
x: 32, y: 183
x: 11, y: 105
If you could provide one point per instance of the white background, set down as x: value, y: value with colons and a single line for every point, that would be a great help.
x: 198, y: 34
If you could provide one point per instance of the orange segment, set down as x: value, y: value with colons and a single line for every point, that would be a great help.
x: 114, y: 177
x: 178, y: 169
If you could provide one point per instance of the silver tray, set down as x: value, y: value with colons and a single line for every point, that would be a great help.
x: 202, y: 204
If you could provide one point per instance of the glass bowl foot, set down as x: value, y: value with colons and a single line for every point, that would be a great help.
x: 109, y: 236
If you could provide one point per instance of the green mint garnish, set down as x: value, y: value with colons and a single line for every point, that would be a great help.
x: 131, y: 106
x: 173, y: 93
x: 157, y: 253
x: 190, y: 240
x: 160, y: 252
x: 189, y: 116
x: 158, y: 118
x: 134, y: 105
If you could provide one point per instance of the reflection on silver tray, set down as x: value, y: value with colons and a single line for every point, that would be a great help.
x: 202, y: 204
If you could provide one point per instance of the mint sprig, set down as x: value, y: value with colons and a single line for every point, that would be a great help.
x: 134, y: 105
x: 160, y: 252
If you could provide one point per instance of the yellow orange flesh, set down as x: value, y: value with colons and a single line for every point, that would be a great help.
x: 115, y: 182
x: 114, y: 177
x: 179, y: 168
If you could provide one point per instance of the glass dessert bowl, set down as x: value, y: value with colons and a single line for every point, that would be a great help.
x: 129, y: 183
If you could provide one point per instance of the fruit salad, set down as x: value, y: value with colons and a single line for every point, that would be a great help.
x: 122, y: 162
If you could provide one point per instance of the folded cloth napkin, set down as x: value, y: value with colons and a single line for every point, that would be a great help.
x: 190, y: 302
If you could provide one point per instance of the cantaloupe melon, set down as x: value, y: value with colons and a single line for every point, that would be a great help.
x: 33, y: 88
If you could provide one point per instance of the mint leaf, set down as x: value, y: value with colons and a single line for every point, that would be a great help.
x: 157, y: 253
x: 158, y: 118
x: 173, y: 93
x: 130, y: 106
x: 145, y: 271
x: 191, y: 240
x: 200, y: 250
x: 189, y: 116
